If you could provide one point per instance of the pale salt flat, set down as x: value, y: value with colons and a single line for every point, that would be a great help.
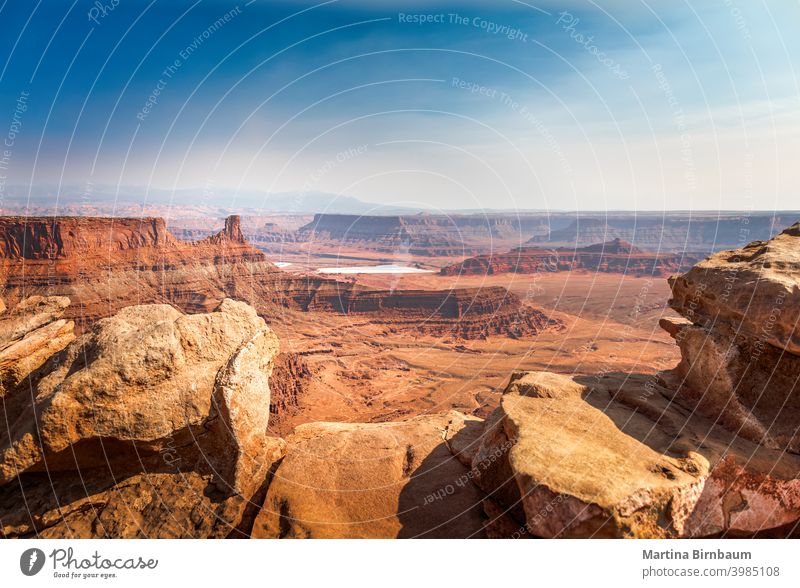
x: 374, y: 269
x: 282, y: 264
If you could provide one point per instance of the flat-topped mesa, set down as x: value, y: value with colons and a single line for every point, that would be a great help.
x: 60, y: 242
x: 105, y: 264
x: 616, y: 246
x: 421, y: 234
x: 469, y: 313
x: 740, y: 339
x: 675, y: 232
x: 616, y: 256
x: 56, y: 238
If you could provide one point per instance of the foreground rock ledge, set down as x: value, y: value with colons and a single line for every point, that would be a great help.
x: 614, y: 457
x: 384, y: 480
x: 153, y: 423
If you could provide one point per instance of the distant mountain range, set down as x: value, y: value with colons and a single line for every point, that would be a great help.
x: 224, y: 200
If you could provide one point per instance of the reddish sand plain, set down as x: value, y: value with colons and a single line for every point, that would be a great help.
x: 367, y: 372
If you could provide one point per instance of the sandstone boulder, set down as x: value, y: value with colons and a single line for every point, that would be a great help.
x: 153, y: 423
x: 403, y: 479
x: 29, y: 334
x: 740, y: 340
x: 613, y: 456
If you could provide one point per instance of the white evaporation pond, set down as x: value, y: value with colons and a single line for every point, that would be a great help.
x: 375, y: 269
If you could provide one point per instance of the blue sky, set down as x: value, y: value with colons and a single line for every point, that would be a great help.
x: 496, y: 104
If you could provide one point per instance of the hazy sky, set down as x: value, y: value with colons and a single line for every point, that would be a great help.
x: 501, y: 103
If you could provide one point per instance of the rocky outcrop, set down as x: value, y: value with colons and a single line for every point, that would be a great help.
x: 382, y: 480
x: 710, y: 448
x: 615, y: 256
x: 614, y: 456
x: 152, y: 423
x: 29, y: 335
x: 740, y: 340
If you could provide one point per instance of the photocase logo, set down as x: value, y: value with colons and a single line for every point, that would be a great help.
x: 31, y: 561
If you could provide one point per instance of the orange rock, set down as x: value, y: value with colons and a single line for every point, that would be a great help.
x: 29, y: 334
x: 375, y: 481
x: 740, y: 340
x: 166, y: 414
x: 614, y: 457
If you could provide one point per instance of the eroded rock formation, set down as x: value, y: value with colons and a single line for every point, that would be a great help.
x: 708, y: 449
x: 152, y: 423
x: 29, y: 335
x: 740, y: 339
x: 615, y: 256
x: 468, y: 313
x: 106, y: 264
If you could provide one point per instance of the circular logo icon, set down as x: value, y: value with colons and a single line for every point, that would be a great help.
x: 31, y: 561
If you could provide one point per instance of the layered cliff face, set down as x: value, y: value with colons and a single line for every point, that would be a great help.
x: 422, y: 234
x: 65, y: 237
x: 104, y: 265
x: 468, y: 313
x: 69, y: 245
x: 616, y: 256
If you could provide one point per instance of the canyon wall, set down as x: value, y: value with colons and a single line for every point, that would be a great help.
x: 104, y: 265
x: 423, y: 234
x: 154, y: 423
x: 469, y: 313
x: 616, y: 256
